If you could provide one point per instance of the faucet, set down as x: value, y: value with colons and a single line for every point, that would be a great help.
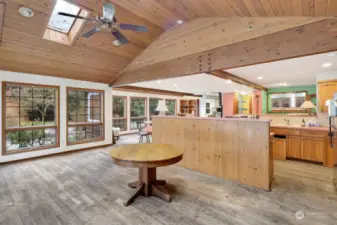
x: 287, y: 121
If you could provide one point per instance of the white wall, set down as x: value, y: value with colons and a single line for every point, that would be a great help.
x: 63, y: 83
x: 145, y: 95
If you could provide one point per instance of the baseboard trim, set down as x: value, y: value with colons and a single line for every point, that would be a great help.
x: 56, y: 154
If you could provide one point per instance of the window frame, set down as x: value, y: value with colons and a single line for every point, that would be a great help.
x: 125, y: 111
x: 5, y: 130
x: 102, y: 123
x: 175, y: 106
x: 145, y: 109
x: 78, y: 13
x: 70, y: 37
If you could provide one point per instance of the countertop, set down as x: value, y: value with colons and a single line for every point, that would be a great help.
x: 301, y: 128
x: 212, y: 118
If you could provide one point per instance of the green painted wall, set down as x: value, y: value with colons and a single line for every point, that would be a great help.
x: 311, y: 89
x: 264, y: 102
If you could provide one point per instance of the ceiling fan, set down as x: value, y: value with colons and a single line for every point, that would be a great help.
x: 108, y: 20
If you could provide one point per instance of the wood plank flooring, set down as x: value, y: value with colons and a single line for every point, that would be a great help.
x: 86, y: 188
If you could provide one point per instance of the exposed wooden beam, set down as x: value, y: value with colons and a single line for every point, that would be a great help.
x: 228, y: 76
x: 286, y: 44
x: 203, y: 34
x: 153, y: 91
x: 2, y: 16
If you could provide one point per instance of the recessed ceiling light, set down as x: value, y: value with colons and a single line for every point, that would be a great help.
x: 175, y: 85
x: 259, y: 78
x: 180, y: 22
x: 228, y: 81
x: 116, y: 43
x: 326, y: 65
x: 332, y: 54
x: 159, y: 81
x: 26, y: 12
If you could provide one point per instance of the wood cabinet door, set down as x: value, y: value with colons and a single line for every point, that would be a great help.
x: 312, y: 149
x: 326, y: 91
x: 294, y: 147
x: 280, y: 149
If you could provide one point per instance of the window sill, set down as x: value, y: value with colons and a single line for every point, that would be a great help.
x: 84, y: 141
x: 30, y: 149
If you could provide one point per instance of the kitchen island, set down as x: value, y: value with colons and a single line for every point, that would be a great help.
x: 235, y: 149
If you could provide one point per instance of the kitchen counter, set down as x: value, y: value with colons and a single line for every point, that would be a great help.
x: 301, y: 128
x: 305, y: 143
x: 230, y: 148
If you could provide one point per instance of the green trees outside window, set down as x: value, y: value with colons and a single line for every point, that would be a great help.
x: 85, y: 115
x: 30, y: 116
x: 171, y: 106
x: 137, y: 111
x: 119, y: 112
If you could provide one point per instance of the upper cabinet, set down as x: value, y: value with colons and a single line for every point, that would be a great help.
x: 326, y: 90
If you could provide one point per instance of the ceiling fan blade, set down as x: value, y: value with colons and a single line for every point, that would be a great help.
x: 75, y: 16
x: 91, y: 32
x: 108, y: 11
x: 119, y: 36
x: 137, y: 28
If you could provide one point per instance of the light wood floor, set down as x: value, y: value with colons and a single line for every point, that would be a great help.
x: 86, y: 188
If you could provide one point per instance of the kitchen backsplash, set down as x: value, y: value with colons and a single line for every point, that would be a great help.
x: 277, y: 119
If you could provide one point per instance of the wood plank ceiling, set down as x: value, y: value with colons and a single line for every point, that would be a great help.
x: 22, y: 48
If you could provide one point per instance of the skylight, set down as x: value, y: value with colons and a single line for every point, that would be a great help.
x: 63, y: 23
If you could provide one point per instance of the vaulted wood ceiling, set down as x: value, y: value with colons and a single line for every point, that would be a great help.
x: 22, y: 48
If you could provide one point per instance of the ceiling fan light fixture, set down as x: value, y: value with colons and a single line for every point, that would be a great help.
x: 116, y: 43
x: 26, y: 12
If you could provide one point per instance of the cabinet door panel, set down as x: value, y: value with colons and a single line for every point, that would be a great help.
x: 294, y: 147
x: 280, y: 149
x: 312, y: 149
x: 326, y: 91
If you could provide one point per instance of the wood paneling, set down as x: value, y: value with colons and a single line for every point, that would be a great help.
x: 228, y: 76
x: 194, y: 36
x: 2, y: 15
x: 153, y: 91
x: 231, y: 149
x: 96, y: 59
x: 281, y: 45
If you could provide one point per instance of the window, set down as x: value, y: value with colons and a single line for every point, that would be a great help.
x: 287, y: 101
x: 85, y: 115
x: 64, y: 29
x: 30, y: 117
x: 208, y: 108
x: 119, y: 112
x: 63, y: 23
x: 171, y: 106
x: 153, y: 102
x: 137, y: 112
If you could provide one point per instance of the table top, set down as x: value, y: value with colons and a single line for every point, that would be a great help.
x: 146, y: 155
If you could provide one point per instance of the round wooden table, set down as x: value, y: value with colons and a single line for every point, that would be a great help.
x: 147, y: 157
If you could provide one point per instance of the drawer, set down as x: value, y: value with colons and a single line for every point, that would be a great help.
x: 285, y: 131
x: 313, y: 133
